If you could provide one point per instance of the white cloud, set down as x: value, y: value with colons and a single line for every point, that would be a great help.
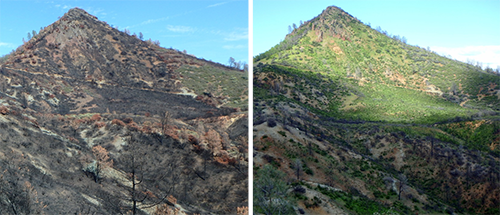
x: 234, y: 46
x: 8, y: 45
x: 180, y: 29
x: 149, y: 21
x: 59, y: 6
x: 94, y: 11
x: 219, y: 4
x: 487, y: 55
x: 235, y: 35
x: 91, y: 10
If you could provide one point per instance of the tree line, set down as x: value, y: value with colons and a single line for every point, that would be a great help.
x: 237, y: 65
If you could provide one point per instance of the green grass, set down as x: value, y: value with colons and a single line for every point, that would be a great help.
x: 478, y: 135
x: 219, y: 82
x: 356, y: 204
x: 390, y: 77
x: 370, y: 102
x: 396, y: 104
x: 360, y: 84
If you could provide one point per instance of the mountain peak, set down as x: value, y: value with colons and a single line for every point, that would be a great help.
x: 75, y: 12
x: 332, y: 21
x: 80, y: 47
x: 334, y: 13
x: 158, y: 100
x: 332, y: 8
x: 337, y: 83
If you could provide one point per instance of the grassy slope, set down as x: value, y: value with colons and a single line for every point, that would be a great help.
x: 334, y: 68
x: 201, y: 76
x: 397, y: 82
x: 220, y: 82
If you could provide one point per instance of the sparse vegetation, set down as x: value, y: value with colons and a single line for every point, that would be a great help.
x: 270, y: 192
x: 106, y: 132
x: 216, y: 82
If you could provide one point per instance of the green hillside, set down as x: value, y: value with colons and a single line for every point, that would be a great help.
x: 359, y: 122
x: 385, y: 79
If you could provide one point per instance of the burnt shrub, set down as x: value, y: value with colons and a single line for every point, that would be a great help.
x: 299, y: 189
x: 271, y: 122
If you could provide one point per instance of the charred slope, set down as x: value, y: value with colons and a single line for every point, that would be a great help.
x: 51, y: 170
x: 80, y: 100
x: 80, y: 47
x: 44, y: 94
x: 80, y: 64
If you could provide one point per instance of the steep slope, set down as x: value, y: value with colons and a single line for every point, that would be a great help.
x: 363, y: 123
x: 79, y: 47
x: 97, y: 121
x: 387, y: 79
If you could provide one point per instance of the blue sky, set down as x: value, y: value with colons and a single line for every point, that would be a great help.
x: 462, y: 29
x: 210, y: 29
